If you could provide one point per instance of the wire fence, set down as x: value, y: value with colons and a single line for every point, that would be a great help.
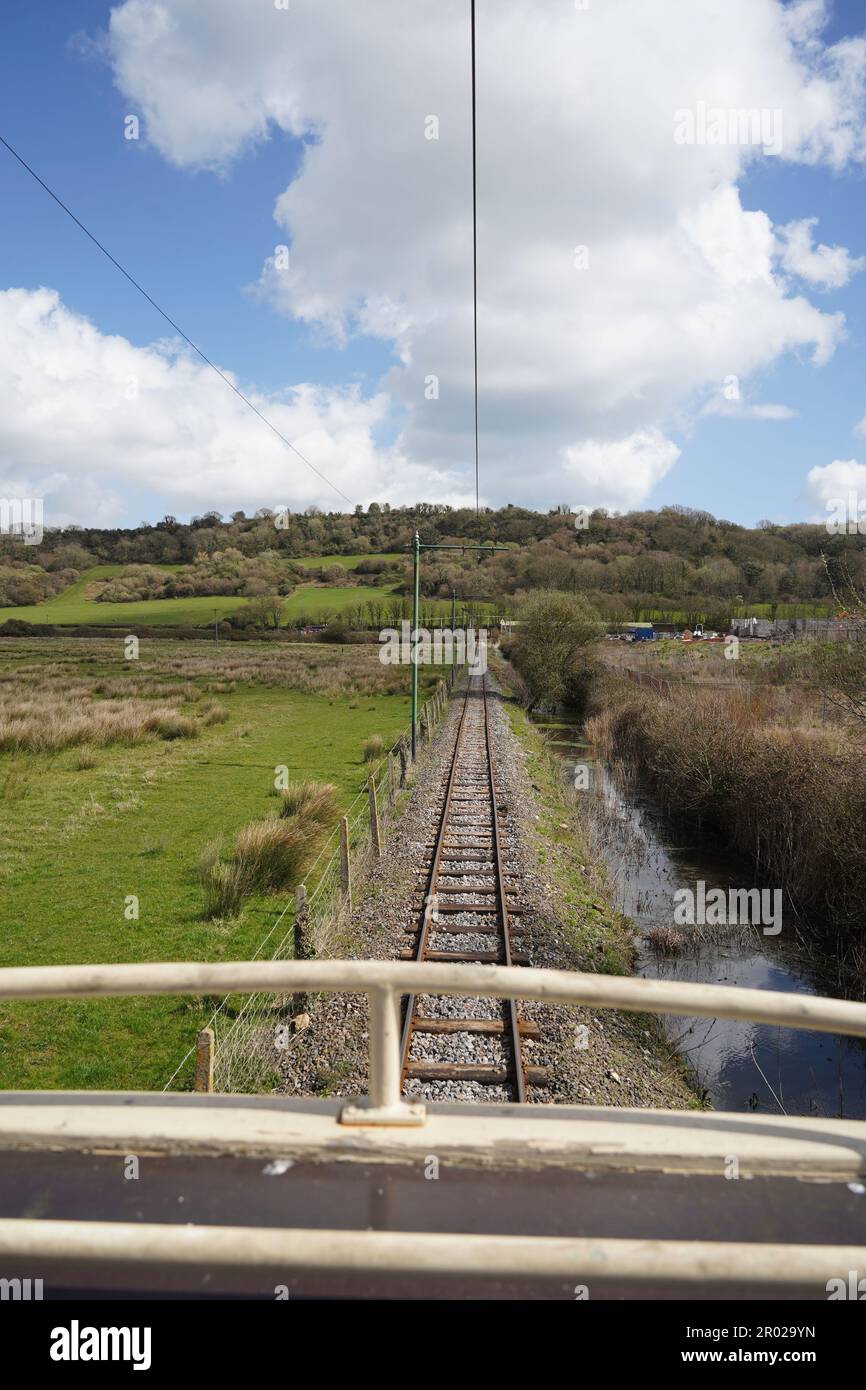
x: 751, y: 693
x: 645, y: 678
x: 247, y: 1038
x: 665, y: 688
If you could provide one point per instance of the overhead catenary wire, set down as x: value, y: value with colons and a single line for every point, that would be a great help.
x: 475, y: 262
x: 169, y: 320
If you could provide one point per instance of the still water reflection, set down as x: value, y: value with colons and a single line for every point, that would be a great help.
x: 741, y: 1065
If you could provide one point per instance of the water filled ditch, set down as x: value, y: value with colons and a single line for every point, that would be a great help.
x: 741, y: 1066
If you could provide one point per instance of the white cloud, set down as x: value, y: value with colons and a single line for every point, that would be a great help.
x: 841, y: 483
x: 84, y: 415
x: 618, y: 472
x: 576, y: 147
x: 744, y: 410
x: 827, y: 267
x: 771, y: 411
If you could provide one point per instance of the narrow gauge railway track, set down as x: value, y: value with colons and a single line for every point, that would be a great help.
x: 454, y: 1048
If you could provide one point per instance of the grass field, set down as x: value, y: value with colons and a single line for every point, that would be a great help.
x: 73, y: 609
x: 683, y: 616
x: 323, y: 601
x: 76, y: 845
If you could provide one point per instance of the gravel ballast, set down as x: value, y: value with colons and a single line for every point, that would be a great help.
x: 593, y: 1057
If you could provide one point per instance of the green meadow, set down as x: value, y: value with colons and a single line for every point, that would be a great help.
x: 73, y: 608
x: 80, y: 836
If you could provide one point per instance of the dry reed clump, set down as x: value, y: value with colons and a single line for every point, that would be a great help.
x: 664, y: 941
x: 791, y: 799
x: 143, y: 687
x: 171, y: 725
x: 214, y: 713
x: 374, y: 747
x: 269, y: 856
x: 48, y: 723
x: 221, y: 882
x: 312, y: 801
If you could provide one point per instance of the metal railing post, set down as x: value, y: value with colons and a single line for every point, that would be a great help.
x: 384, y: 1082
x: 384, y: 1104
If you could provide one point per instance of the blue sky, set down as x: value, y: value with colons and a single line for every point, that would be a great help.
x: 198, y: 240
x: 739, y: 468
x: 195, y: 240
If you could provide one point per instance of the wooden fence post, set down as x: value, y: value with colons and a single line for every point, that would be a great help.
x: 404, y: 761
x: 204, y: 1060
x: 302, y: 923
x: 375, y: 832
x: 303, y: 946
x: 345, y: 869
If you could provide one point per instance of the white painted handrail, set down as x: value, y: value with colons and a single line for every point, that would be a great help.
x: 274, y: 1253
x: 386, y: 981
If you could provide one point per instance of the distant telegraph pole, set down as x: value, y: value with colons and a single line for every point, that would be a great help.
x: 416, y: 548
x: 453, y: 638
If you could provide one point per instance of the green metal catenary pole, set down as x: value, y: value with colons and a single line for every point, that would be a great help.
x: 416, y: 547
x: 417, y: 555
x: 453, y: 637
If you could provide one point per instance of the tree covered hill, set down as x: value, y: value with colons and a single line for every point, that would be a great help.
x: 670, y: 560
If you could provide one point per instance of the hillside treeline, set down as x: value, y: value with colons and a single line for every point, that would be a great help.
x: 627, y: 564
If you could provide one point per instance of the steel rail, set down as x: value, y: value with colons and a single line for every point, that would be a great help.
x: 410, y: 1023
x: 429, y: 896
x: 513, y: 1019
